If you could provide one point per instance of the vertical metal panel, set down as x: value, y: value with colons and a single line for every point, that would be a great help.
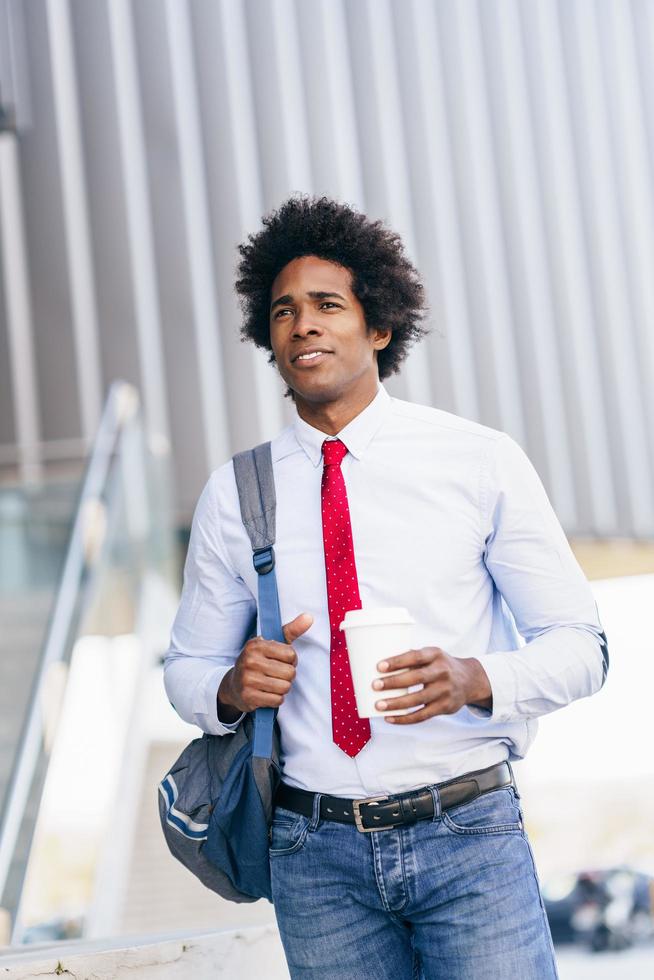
x: 139, y: 221
x: 118, y: 344
x: 529, y: 279
x: 643, y: 18
x: 499, y: 376
x: 6, y: 66
x: 567, y: 262
x: 328, y: 86
x: 16, y: 290
x: 14, y: 85
x: 44, y: 232
x: 383, y: 150
x: 634, y: 175
x: 181, y: 355
x: 7, y: 425
x: 605, y: 243
x: 450, y: 348
x: 76, y: 220
x: 252, y: 388
x: 279, y: 98
x: 197, y: 233
x: 510, y: 144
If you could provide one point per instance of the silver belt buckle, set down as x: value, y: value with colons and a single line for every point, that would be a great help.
x: 356, y: 804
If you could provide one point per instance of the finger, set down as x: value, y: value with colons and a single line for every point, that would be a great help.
x: 411, y: 658
x: 406, y: 678
x: 297, y: 627
x: 266, y: 700
x: 426, y: 695
x: 429, y: 711
x: 281, y: 652
x: 277, y: 668
x: 262, y: 699
x: 271, y: 685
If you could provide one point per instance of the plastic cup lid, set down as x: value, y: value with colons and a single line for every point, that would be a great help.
x: 384, y: 616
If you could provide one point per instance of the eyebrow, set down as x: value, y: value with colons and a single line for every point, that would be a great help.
x: 283, y: 300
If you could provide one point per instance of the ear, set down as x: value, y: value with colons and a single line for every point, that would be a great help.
x: 382, y: 338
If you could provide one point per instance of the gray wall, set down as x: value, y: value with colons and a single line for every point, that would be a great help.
x: 511, y: 143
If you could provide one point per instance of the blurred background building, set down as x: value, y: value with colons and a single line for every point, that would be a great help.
x: 512, y: 146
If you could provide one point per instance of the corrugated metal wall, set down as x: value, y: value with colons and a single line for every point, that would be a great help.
x: 511, y: 143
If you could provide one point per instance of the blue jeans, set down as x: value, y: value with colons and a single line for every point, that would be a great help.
x: 454, y: 898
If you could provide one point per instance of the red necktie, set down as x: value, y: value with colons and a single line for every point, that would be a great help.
x: 349, y: 731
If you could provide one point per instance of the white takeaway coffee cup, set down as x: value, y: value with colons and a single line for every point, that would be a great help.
x: 372, y: 635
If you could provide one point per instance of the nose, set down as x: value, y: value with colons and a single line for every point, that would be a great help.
x: 305, y: 325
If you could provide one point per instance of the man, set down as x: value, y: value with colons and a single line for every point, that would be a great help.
x: 381, y: 503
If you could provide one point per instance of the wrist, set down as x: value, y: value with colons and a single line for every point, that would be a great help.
x: 479, y: 693
x: 228, y: 712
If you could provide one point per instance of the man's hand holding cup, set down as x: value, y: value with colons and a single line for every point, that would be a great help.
x: 448, y: 683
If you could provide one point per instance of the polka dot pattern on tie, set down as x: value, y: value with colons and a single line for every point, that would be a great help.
x: 349, y: 731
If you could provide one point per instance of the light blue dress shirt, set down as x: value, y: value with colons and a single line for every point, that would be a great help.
x: 450, y: 520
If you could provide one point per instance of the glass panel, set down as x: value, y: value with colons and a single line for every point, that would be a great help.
x: 94, y: 745
x: 35, y: 526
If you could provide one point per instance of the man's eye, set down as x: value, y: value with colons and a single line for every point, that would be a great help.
x: 279, y: 313
x: 328, y: 302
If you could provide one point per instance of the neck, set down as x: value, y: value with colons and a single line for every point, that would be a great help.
x: 332, y: 417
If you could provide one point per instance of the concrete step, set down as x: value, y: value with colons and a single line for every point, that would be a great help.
x: 251, y: 952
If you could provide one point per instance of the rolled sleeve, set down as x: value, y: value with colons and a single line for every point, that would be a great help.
x: 565, y: 655
x: 216, y: 616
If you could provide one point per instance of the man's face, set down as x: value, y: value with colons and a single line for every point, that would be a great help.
x: 313, y: 309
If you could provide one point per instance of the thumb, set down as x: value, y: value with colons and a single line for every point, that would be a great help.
x: 297, y: 627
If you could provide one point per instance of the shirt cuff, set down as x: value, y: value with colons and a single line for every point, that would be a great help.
x: 501, y: 678
x: 207, y: 702
x: 231, y: 726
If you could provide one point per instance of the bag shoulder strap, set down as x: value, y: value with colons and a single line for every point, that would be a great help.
x: 256, y: 493
x: 255, y: 483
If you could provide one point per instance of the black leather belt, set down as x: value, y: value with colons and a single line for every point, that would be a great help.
x: 386, y: 812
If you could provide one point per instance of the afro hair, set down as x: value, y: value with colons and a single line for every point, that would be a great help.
x: 384, y: 281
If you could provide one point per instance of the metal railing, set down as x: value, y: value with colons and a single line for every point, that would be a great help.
x: 119, y: 423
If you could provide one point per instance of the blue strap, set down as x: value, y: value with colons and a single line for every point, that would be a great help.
x: 270, y: 621
x: 253, y: 471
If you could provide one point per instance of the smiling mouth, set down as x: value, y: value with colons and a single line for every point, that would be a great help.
x: 306, y: 360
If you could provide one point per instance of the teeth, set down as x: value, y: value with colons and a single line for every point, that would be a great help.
x: 304, y: 357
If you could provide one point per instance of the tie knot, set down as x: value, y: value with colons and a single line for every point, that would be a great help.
x: 333, y: 451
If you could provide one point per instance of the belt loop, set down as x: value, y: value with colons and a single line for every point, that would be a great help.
x: 315, y: 818
x: 437, y: 802
x: 515, y: 785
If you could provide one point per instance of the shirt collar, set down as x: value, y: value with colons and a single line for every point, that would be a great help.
x: 356, y: 435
